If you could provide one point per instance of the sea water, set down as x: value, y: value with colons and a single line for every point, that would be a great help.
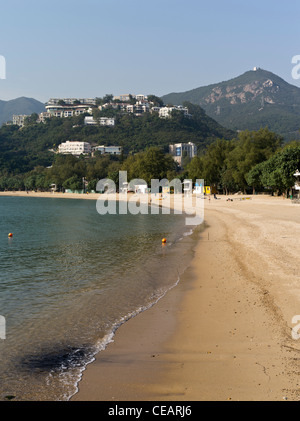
x: 69, y: 278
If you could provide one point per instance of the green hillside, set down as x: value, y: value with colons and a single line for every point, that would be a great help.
x: 23, y: 149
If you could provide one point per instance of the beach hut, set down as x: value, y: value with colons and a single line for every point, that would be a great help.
x: 199, y: 189
x: 187, y: 187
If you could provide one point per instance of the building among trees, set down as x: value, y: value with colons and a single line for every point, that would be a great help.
x: 74, y: 148
x: 181, y: 150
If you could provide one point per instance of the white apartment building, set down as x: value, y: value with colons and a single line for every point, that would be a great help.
x: 102, y: 121
x: 180, y: 150
x: 141, y: 97
x: 70, y: 101
x: 165, y: 112
x: 124, y: 97
x: 19, y: 120
x: 74, y: 148
x: 67, y: 111
x: 43, y: 116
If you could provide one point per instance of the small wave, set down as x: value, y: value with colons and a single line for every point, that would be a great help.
x: 186, y: 234
x: 102, y: 343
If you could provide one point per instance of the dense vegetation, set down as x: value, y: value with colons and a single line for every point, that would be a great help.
x: 21, y: 150
x: 254, y: 161
x: 249, y: 161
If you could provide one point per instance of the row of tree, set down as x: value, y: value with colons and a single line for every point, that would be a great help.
x: 70, y: 172
x: 254, y: 161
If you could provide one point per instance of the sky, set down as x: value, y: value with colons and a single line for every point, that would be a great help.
x: 90, y: 48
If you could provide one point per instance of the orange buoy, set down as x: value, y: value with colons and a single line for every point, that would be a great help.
x: 10, y: 234
x: 164, y: 240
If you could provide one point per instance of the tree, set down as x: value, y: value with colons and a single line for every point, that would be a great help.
x: 253, y: 177
x: 73, y: 183
x: 148, y: 165
x: 195, y: 168
x: 277, y: 172
x: 32, y: 119
x: 214, y: 161
x: 107, y: 98
x: 157, y: 102
x: 250, y: 149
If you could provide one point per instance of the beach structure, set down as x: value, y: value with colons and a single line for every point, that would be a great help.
x: 141, y: 189
x: 187, y: 187
x: 74, y: 148
x: 199, y: 189
x: 297, y: 184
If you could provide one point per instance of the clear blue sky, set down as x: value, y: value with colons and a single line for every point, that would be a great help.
x: 72, y: 48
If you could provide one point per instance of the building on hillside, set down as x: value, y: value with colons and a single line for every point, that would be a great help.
x: 69, y: 107
x: 67, y: 111
x: 74, y: 148
x: 19, y: 120
x: 141, y: 97
x: 102, y: 121
x: 182, y: 150
x: 124, y: 97
x: 43, y: 117
x: 72, y: 101
x: 112, y: 150
x: 165, y: 112
x: 138, y: 108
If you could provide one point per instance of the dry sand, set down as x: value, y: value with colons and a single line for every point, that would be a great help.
x: 225, y: 331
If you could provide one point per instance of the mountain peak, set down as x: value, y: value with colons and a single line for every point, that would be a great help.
x: 253, y: 100
x: 21, y: 105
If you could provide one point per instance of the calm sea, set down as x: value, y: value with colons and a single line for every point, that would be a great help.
x: 69, y: 278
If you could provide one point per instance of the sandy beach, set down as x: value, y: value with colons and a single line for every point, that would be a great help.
x: 225, y: 331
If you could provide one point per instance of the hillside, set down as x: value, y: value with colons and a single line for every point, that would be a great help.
x: 254, y: 100
x: 17, y: 106
x: 23, y: 149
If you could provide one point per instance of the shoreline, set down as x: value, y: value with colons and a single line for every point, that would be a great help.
x: 224, y: 332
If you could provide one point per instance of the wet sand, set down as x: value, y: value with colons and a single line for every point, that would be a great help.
x: 224, y: 332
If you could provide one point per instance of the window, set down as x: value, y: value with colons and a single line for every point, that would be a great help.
x: 178, y: 151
